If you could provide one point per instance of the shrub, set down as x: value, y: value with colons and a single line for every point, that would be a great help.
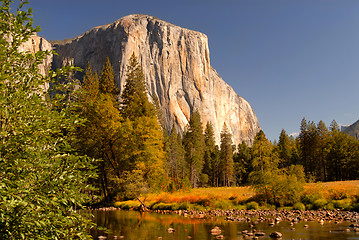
x: 329, y: 206
x: 183, y: 206
x: 299, y: 206
x: 163, y: 206
x: 281, y: 186
x: 222, y: 204
x: 344, y: 204
x: 310, y: 198
x: 309, y: 206
x: 252, y: 206
x: 197, y: 207
x: 240, y: 207
x: 127, y: 205
x: 320, y: 203
x: 266, y: 206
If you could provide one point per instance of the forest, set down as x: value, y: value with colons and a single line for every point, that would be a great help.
x: 136, y: 155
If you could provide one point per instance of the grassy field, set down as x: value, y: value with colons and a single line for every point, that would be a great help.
x: 328, y: 195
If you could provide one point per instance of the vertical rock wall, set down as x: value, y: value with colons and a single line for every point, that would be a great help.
x: 177, y: 69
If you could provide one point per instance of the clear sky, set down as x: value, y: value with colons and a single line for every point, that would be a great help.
x: 288, y: 58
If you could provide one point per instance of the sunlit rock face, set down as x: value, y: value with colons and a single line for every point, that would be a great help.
x: 177, y: 69
x: 34, y: 44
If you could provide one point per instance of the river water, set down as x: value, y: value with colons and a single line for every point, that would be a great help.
x: 134, y: 225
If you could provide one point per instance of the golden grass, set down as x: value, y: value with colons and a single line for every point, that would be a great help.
x: 333, y: 190
x: 328, y: 190
x: 202, y: 194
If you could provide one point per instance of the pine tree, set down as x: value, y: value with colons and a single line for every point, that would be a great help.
x: 227, y: 156
x: 284, y: 146
x: 209, y: 153
x: 134, y: 101
x: 107, y: 79
x: 91, y: 82
x: 263, y: 156
x: 322, y: 150
x: 175, y: 159
x: 141, y: 136
x: 243, y: 163
x: 194, y: 148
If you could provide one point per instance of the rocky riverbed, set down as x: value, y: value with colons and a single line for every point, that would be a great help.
x: 272, y: 216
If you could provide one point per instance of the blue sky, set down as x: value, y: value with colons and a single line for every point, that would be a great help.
x: 288, y: 58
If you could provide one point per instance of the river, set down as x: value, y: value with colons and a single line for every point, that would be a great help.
x: 134, y: 225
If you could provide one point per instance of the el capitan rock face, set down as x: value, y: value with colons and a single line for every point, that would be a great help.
x: 177, y: 69
x: 34, y: 44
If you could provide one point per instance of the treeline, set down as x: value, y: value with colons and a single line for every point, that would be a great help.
x: 135, y: 154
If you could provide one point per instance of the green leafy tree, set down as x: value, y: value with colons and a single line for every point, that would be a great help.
x: 194, y: 148
x: 281, y: 187
x: 43, y: 180
x: 227, y: 157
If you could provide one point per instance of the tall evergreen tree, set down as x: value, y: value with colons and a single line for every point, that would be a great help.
x: 175, y: 159
x: 343, y: 155
x: 141, y: 135
x: 107, y: 79
x: 209, y: 153
x: 284, y: 147
x: 322, y: 150
x: 227, y: 156
x: 91, y: 83
x: 243, y: 163
x: 134, y: 101
x: 194, y: 148
x: 263, y: 156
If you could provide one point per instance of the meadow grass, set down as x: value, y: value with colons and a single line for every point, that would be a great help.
x: 328, y: 195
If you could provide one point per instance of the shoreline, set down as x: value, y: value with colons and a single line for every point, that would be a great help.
x: 272, y: 216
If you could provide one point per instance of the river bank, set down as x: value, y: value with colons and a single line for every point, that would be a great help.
x: 270, y: 216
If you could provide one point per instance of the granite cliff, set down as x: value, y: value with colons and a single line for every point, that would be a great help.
x: 176, y: 66
x: 36, y: 43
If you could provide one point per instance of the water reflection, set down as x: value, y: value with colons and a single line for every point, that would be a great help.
x: 142, y: 226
